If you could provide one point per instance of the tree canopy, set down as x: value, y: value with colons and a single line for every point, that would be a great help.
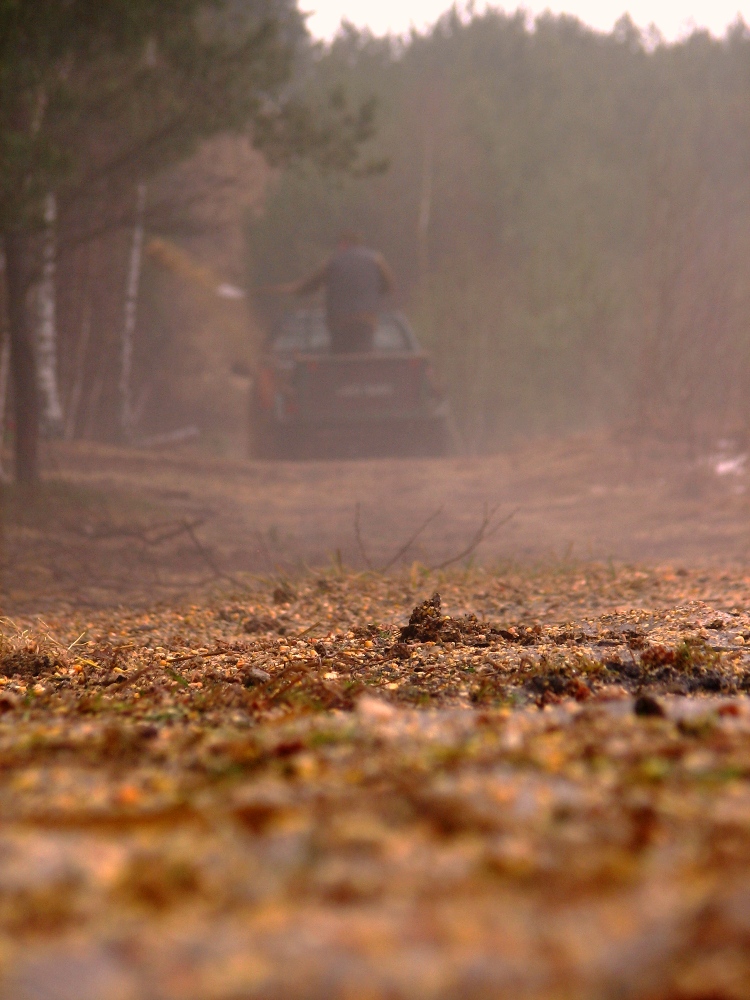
x: 97, y: 96
x: 92, y: 92
x: 567, y: 212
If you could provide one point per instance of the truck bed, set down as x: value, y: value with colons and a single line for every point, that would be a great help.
x: 338, y: 389
x: 308, y: 401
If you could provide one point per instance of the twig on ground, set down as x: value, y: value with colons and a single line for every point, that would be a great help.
x: 485, y: 530
x: 165, y: 667
x: 207, y: 557
x: 176, y: 677
x: 76, y: 641
x: 195, y: 655
x: 184, y: 527
x: 482, y: 533
x: 358, y: 536
x: 308, y: 630
x: 166, y: 531
x: 408, y: 544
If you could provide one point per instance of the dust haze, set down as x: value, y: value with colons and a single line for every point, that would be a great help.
x: 564, y: 214
x: 374, y: 605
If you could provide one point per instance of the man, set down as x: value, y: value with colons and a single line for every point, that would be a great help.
x: 355, y: 280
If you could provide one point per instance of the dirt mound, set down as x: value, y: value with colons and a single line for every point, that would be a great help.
x: 427, y: 624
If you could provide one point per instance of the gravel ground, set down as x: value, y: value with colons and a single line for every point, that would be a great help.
x: 342, y: 785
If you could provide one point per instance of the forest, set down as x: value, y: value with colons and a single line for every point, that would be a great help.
x: 97, y: 105
x: 566, y: 212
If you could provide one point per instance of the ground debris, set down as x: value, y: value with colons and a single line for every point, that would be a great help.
x: 427, y: 624
x: 645, y: 705
x: 399, y: 795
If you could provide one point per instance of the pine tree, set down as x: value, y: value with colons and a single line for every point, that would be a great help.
x: 99, y: 95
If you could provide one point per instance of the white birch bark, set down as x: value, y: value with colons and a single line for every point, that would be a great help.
x: 425, y: 208
x: 76, y: 392
x: 46, y: 326
x: 127, y: 414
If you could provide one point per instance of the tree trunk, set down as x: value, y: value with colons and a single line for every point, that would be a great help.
x: 46, y: 326
x: 22, y: 362
x: 425, y: 208
x: 127, y: 413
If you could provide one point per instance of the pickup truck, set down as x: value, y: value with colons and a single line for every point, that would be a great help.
x: 307, y: 402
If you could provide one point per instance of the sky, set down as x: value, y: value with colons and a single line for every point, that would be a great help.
x: 674, y: 18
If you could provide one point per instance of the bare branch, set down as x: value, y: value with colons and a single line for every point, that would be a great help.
x: 358, y: 535
x: 166, y: 531
x: 408, y: 544
x: 207, y: 556
x: 161, y: 215
x: 482, y: 533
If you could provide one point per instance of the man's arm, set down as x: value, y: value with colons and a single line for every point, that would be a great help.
x: 314, y: 282
x: 303, y: 286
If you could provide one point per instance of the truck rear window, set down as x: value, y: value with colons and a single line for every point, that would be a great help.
x: 307, y: 332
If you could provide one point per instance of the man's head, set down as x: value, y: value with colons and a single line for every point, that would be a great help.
x: 350, y: 238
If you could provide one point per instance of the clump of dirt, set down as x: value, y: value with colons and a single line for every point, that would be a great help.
x: 427, y: 624
x: 690, y: 667
x: 26, y: 663
x: 29, y: 656
x: 254, y: 623
x: 262, y: 623
x: 283, y: 593
x: 549, y: 687
x: 645, y: 705
x: 658, y: 656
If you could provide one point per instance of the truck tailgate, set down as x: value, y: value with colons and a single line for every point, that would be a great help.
x: 343, y: 388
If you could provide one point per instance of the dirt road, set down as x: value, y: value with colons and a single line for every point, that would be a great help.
x: 585, y: 497
x: 282, y: 789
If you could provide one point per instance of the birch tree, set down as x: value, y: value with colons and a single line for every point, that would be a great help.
x: 46, y: 329
x: 95, y: 94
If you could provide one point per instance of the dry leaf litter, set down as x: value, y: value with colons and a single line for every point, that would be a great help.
x: 511, y: 784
